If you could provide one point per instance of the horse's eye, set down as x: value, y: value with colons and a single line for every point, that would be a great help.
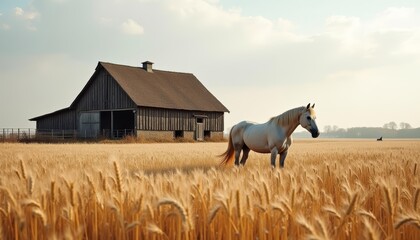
x: 309, y: 118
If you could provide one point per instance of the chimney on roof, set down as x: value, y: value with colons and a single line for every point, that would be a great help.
x: 147, y: 66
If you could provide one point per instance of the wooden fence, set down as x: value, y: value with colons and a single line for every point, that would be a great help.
x: 22, y: 134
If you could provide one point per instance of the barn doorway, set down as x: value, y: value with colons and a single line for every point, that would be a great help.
x: 117, y: 124
x: 199, y: 130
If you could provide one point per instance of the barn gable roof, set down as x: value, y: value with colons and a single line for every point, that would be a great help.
x: 50, y: 114
x: 163, y: 89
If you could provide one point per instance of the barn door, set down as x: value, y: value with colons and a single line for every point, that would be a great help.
x: 89, y: 124
x: 199, y: 130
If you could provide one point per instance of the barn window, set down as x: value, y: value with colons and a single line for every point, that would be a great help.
x: 207, y: 134
x: 199, y: 120
x: 179, y: 134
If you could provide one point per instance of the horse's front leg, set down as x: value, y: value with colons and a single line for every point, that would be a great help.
x: 283, y: 156
x: 274, y: 153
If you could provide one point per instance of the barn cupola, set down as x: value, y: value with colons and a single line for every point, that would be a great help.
x: 147, y: 66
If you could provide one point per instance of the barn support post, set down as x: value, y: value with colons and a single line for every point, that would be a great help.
x: 112, y: 124
x: 135, y: 123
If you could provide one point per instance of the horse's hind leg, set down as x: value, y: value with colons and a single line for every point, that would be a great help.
x: 237, y: 154
x: 245, y: 154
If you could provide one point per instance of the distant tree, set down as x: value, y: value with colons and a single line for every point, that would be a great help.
x: 404, y: 125
x: 335, y: 128
x: 327, y: 129
x: 391, y: 125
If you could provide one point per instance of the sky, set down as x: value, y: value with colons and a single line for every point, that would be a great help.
x: 358, y: 61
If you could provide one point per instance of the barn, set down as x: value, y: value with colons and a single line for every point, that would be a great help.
x: 138, y: 100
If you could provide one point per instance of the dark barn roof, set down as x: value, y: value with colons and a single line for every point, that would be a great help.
x: 156, y: 88
x: 163, y: 89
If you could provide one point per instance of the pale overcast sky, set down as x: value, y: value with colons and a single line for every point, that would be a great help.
x: 359, y: 61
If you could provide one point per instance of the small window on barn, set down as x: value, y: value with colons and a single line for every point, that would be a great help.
x: 179, y: 134
x: 199, y: 120
x: 207, y: 134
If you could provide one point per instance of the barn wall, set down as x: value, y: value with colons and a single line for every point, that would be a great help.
x: 158, y: 119
x: 104, y: 93
x: 65, y: 120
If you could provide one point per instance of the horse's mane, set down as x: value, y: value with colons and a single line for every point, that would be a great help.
x: 291, y: 115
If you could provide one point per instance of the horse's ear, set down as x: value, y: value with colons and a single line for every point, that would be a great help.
x: 307, y: 107
x: 313, y: 105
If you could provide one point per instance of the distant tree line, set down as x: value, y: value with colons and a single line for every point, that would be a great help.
x: 389, y: 130
x: 393, y: 125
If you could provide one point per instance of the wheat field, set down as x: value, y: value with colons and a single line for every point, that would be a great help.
x: 329, y: 189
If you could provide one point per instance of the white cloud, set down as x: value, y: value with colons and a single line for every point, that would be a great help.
x: 131, y: 27
x: 26, y: 17
x: 19, y: 11
x: 395, y: 18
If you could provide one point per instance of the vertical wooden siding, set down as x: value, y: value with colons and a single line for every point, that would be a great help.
x: 65, y: 120
x: 159, y: 119
x: 104, y: 93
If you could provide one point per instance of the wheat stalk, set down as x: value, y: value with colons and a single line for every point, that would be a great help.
x: 371, y: 233
x: 416, y: 199
x: 41, y: 214
x: 23, y: 169
x: 238, y: 205
x: 151, y: 227
x: 30, y: 185
x: 52, y: 191
x: 267, y: 193
x: 118, y: 177
x: 181, y: 210
x: 9, y: 195
x: 213, y: 213
x: 29, y: 203
x: 408, y: 219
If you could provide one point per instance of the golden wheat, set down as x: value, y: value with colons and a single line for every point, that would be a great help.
x: 342, y: 189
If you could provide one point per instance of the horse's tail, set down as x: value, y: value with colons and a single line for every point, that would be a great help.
x: 228, y: 155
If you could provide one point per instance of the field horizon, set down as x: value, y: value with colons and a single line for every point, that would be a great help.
x: 329, y: 189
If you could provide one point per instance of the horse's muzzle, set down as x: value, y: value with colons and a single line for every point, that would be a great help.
x: 315, y: 133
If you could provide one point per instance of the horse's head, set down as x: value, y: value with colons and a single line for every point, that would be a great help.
x: 307, y: 120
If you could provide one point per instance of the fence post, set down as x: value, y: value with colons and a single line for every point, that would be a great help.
x: 18, y: 134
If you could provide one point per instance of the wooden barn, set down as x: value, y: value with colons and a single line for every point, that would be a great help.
x: 119, y: 100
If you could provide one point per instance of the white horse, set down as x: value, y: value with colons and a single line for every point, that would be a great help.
x: 272, y: 137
